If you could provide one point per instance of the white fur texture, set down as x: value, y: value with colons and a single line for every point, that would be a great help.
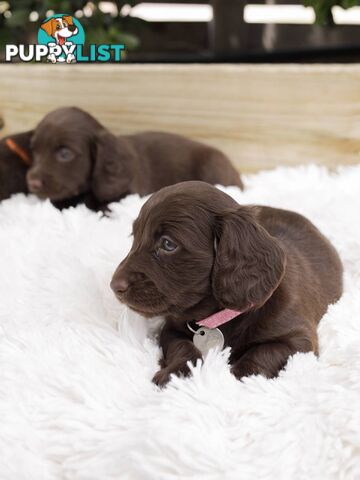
x: 76, y: 398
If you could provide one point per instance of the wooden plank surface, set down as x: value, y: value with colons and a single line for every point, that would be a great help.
x: 260, y: 115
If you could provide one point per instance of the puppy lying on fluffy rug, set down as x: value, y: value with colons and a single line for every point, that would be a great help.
x: 76, y: 397
x: 266, y: 276
x: 75, y: 155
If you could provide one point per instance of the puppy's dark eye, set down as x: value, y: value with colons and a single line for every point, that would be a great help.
x: 64, y: 155
x: 167, y: 244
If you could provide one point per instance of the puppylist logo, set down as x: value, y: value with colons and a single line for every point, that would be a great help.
x: 61, y: 39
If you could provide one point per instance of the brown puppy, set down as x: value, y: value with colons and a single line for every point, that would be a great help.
x: 74, y: 154
x: 15, y: 159
x: 196, y: 251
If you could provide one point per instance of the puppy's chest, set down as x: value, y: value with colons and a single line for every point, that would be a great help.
x: 238, y: 333
x: 221, y: 337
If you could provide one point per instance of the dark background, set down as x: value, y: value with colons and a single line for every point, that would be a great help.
x: 226, y: 37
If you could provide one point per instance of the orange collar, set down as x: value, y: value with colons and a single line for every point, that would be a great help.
x: 20, y: 152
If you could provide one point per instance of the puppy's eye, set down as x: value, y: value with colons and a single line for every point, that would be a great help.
x: 64, y: 155
x: 167, y: 244
x: 58, y: 27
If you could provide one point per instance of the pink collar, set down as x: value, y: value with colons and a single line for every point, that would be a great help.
x: 219, y: 318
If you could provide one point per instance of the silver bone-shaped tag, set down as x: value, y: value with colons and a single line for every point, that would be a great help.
x: 206, y: 338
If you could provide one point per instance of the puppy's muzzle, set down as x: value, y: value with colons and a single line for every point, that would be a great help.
x: 35, y: 185
x: 119, y: 286
x: 119, y: 283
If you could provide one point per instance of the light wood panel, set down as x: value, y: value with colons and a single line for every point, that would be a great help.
x: 260, y: 115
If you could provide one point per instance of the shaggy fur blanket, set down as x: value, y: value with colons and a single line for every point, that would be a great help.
x: 76, y: 398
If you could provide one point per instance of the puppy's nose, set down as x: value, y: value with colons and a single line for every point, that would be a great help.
x: 35, y: 184
x: 119, y: 285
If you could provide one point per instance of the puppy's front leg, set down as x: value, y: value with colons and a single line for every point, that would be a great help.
x: 268, y: 359
x: 178, y: 349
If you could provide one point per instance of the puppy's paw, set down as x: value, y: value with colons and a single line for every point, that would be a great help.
x: 162, y: 377
x: 248, y: 370
x: 238, y: 372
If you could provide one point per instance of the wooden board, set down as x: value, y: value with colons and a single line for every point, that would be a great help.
x: 260, y: 115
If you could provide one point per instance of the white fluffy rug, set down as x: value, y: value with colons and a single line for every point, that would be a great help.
x: 76, y: 400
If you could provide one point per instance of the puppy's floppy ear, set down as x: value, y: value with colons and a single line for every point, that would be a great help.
x: 49, y: 27
x: 68, y: 19
x: 249, y: 262
x: 111, y: 175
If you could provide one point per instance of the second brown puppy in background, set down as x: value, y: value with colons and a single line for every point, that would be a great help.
x: 75, y: 155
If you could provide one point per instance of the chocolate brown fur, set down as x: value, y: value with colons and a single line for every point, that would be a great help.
x: 12, y: 167
x: 273, y: 264
x: 108, y: 167
x: 13, y: 172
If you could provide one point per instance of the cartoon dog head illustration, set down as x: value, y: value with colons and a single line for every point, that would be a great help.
x: 60, y: 28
